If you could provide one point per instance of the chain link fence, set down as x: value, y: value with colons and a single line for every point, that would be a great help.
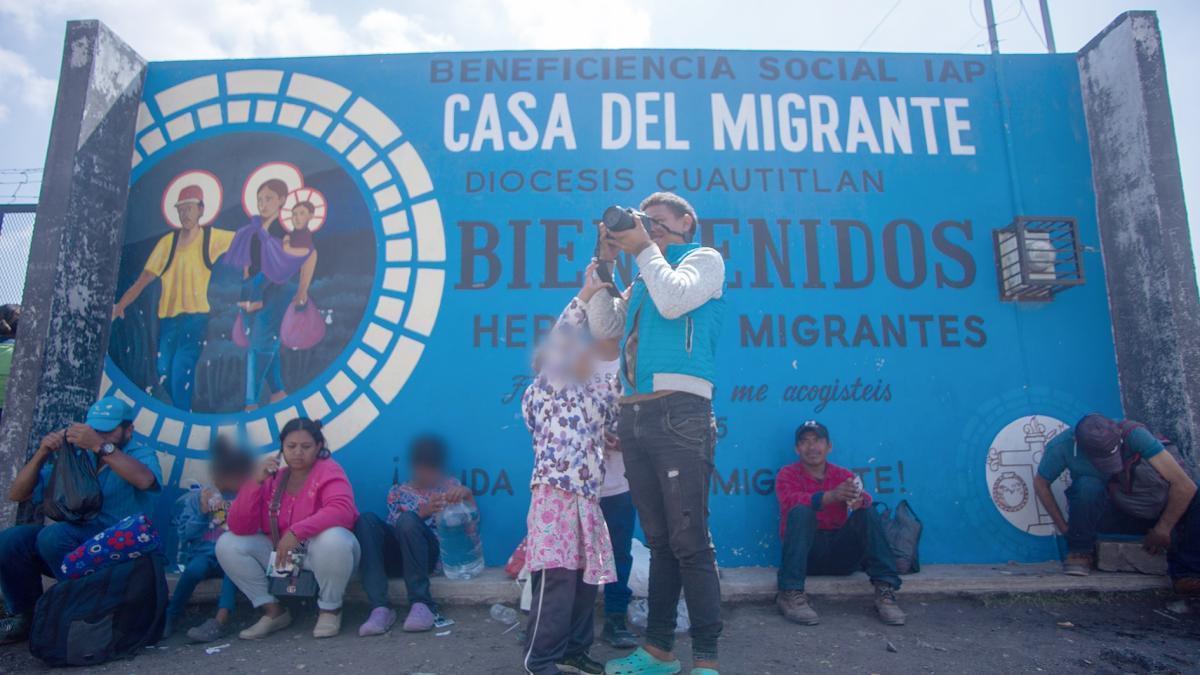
x: 16, y: 232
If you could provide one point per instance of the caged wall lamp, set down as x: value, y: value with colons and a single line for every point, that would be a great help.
x: 1037, y: 257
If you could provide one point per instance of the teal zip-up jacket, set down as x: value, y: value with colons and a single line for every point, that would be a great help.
x: 676, y: 306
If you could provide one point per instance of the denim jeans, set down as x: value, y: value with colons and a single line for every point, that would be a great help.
x: 262, y: 357
x: 620, y: 516
x: 668, y: 446
x: 408, y: 549
x: 202, y: 566
x: 858, y: 544
x: 1089, y: 511
x: 180, y: 341
x: 29, y: 552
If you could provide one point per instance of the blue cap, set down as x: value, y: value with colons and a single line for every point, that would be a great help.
x: 108, y: 413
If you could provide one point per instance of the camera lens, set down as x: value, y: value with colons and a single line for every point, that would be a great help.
x: 612, y: 217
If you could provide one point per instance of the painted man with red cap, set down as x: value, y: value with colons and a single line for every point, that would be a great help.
x: 1124, y: 480
x: 183, y: 261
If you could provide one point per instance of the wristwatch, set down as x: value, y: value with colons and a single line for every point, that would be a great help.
x: 107, y: 449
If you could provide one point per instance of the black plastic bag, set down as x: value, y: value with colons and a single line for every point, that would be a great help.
x: 73, y: 494
x: 902, y: 528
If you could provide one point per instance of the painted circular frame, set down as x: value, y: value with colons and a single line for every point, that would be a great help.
x: 349, y: 395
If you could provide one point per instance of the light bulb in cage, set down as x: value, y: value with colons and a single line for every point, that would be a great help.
x: 1038, y: 257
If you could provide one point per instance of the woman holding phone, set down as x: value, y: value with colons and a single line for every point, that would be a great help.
x: 316, y: 514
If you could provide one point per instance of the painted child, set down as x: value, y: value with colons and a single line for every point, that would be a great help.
x: 299, y: 242
x: 568, y: 408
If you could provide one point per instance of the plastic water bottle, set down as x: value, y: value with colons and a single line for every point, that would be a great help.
x: 503, y: 614
x: 458, y: 534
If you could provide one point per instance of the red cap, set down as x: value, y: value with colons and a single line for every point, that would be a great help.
x: 191, y: 194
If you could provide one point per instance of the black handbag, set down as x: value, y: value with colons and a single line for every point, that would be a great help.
x: 299, y: 583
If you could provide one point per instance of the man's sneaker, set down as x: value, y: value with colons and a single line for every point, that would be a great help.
x: 1078, y: 565
x: 794, y: 607
x: 617, y: 634
x: 885, y: 603
x: 209, y: 631
x: 581, y: 664
x: 14, y: 629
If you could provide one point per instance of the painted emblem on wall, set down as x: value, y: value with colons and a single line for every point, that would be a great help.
x: 1012, y: 461
x: 313, y: 295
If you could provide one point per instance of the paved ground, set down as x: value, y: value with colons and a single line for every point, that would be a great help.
x: 1080, y: 633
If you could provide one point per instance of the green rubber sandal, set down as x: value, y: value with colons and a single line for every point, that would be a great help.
x: 641, y: 663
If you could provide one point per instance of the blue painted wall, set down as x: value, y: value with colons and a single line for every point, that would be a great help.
x: 922, y: 260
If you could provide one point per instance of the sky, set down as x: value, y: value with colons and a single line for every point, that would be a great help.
x: 31, y: 40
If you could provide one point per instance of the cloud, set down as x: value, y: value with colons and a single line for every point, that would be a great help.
x: 17, y: 75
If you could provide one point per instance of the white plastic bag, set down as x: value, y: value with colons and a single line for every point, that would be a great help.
x: 639, y: 611
x: 639, y: 574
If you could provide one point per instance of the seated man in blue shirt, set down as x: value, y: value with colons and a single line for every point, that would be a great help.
x: 130, y: 478
x: 1096, y: 452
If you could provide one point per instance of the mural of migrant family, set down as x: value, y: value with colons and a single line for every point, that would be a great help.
x: 249, y: 288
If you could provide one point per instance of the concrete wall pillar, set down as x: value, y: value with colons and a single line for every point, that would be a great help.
x: 76, y: 245
x: 1144, y: 227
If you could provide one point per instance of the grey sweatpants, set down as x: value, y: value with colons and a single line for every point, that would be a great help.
x: 332, y: 556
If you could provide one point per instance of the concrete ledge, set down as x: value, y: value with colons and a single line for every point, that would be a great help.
x: 751, y: 584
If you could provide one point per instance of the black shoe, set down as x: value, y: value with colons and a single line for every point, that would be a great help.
x: 616, y: 634
x: 16, y: 629
x: 581, y: 664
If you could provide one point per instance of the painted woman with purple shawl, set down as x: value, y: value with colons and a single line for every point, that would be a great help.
x: 269, y: 285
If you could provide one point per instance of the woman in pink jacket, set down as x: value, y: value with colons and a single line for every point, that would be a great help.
x: 316, y: 511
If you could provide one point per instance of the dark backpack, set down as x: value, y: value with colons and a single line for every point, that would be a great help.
x: 902, y: 529
x: 107, y: 615
x: 206, y: 235
x: 1139, y: 490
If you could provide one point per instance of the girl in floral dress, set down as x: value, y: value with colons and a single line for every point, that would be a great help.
x: 569, y: 407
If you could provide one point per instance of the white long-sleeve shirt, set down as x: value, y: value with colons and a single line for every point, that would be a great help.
x: 675, y: 291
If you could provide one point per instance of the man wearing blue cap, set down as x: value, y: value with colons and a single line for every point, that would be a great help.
x: 130, y: 478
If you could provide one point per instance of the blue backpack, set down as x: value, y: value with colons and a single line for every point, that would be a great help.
x: 103, y: 616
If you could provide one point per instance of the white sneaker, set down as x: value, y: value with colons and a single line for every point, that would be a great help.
x: 267, y: 625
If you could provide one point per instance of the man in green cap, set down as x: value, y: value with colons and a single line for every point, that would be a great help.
x: 130, y: 478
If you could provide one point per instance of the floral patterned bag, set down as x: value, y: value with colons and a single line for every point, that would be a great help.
x: 131, y: 538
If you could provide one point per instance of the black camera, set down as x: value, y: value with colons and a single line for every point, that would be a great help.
x: 619, y: 219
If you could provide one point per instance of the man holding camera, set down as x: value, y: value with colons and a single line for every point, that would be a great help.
x: 670, y: 319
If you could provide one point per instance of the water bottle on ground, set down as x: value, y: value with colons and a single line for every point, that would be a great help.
x: 458, y: 533
x: 505, y: 615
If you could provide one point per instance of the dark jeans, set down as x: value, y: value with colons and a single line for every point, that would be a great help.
x: 858, y: 544
x: 29, y: 552
x: 407, y: 549
x: 1089, y: 511
x: 620, y: 516
x: 561, y: 620
x: 668, y: 446
x: 180, y: 341
x: 201, y: 566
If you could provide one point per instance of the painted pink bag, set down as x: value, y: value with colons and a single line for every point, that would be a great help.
x: 240, y: 337
x: 303, y: 326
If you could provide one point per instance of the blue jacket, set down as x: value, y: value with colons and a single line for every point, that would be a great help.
x: 672, y: 354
